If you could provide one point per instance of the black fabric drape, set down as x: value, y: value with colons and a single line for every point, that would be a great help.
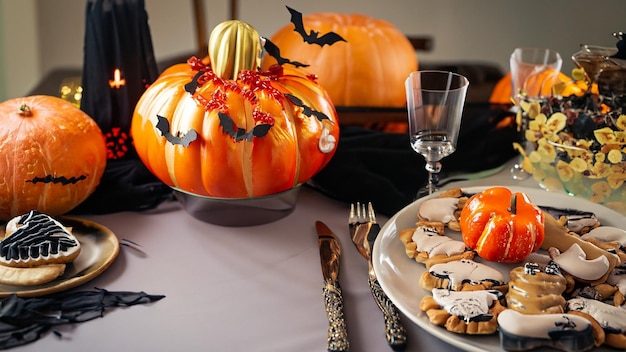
x: 381, y: 167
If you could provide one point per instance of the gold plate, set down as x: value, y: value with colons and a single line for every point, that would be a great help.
x: 99, y: 248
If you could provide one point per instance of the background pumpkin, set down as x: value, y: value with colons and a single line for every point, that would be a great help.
x: 368, y: 70
x: 53, y: 156
x: 232, y: 100
x: 501, y: 93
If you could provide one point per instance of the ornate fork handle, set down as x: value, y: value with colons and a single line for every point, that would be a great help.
x: 337, y: 332
x: 394, y: 330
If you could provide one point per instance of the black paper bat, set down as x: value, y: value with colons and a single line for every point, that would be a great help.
x: 193, y: 85
x: 62, y: 180
x: 274, y: 52
x: 306, y: 109
x: 312, y: 37
x: 164, y: 127
x: 239, y: 134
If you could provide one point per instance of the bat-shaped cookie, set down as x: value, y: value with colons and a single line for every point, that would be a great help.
x: 306, y: 109
x: 274, y: 52
x: 312, y: 37
x: 164, y: 127
x: 239, y: 134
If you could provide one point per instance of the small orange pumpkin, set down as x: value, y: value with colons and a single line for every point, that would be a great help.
x: 225, y: 129
x: 368, y: 69
x: 53, y: 156
x: 501, y: 225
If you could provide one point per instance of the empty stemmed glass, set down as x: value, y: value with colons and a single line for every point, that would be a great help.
x: 435, y: 101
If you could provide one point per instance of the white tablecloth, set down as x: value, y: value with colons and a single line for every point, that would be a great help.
x: 253, y: 288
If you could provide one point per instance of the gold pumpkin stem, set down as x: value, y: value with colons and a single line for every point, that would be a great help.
x: 25, y: 111
x: 234, y: 46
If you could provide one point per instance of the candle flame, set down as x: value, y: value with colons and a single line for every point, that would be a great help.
x: 117, y: 80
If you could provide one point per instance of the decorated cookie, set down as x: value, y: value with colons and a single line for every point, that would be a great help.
x: 464, y: 312
x: 463, y: 275
x: 565, y: 332
x: 560, y: 238
x: 612, y: 319
x: 35, y: 250
x: 617, y: 279
x: 577, y: 221
x: 445, y: 209
x: 536, y: 291
x: 609, y: 238
x: 427, y: 244
x: 36, y: 239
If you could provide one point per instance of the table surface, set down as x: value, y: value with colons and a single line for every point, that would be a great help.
x: 255, y: 288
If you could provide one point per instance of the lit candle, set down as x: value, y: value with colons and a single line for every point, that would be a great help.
x: 117, y: 80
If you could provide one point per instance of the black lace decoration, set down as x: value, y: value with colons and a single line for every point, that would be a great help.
x: 25, y: 320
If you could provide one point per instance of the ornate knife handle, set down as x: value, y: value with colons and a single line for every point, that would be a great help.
x: 337, y: 332
x: 394, y: 330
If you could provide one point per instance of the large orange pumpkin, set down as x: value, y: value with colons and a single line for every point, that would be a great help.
x: 368, y: 69
x: 53, y: 156
x: 225, y: 129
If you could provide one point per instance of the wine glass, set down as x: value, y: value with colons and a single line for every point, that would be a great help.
x: 533, y: 73
x: 435, y: 101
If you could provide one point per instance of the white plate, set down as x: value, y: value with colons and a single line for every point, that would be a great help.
x: 99, y: 248
x: 399, y: 275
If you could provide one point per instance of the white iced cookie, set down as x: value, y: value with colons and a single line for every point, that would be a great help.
x: 462, y: 275
x: 612, y: 319
x: 566, y: 332
x: 574, y: 261
x: 428, y: 240
x: 464, y: 312
x: 617, y: 278
x: 607, y: 234
x: 427, y: 244
x: 439, y: 209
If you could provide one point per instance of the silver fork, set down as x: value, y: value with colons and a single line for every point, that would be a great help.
x: 363, y: 230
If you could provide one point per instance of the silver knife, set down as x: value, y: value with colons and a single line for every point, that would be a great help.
x: 330, y: 251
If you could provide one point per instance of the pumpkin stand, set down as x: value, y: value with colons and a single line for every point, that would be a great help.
x: 234, y: 141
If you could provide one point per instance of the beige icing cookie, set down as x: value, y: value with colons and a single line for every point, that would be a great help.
x: 533, y: 291
x: 30, y: 276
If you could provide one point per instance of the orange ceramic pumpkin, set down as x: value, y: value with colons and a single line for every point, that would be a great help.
x: 501, y: 225
x: 368, y: 69
x: 225, y: 129
x: 53, y: 156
